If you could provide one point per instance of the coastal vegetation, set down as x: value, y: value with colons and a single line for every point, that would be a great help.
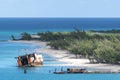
x: 97, y: 46
x: 107, y: 31
x: 13, y: 37
x: 26, y: 36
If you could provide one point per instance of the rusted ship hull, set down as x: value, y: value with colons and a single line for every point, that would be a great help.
x: 30, y: 60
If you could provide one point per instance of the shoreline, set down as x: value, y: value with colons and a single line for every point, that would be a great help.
x: 68, y: 58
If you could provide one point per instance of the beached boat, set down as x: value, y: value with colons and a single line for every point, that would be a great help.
x: 30, y: 60
x: 76, y: 70
x: 71, y: 70
x: 60, y: 72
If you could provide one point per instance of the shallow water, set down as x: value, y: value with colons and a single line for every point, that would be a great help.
x: 10, y: 71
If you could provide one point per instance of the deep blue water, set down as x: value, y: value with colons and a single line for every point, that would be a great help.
x: 15, y: 26
x: 9, y: 50
x: 58, y: 24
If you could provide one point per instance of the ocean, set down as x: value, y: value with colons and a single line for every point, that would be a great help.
x: 9, y: 50
x: 16, y: 26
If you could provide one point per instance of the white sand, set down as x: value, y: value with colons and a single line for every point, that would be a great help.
x: 65, y: 56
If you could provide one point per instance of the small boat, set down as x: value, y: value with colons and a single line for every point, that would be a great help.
x: 71, y: 71
x: 30, y: 60
x: 76, y: 70
x: 60, y: 72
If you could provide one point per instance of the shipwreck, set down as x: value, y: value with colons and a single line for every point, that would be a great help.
x: 30, y: 60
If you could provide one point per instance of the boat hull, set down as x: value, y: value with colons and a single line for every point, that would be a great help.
x: 30, y: 60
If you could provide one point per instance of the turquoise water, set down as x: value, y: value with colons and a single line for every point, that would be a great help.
x: 10, y: 71
x: 9, y: 50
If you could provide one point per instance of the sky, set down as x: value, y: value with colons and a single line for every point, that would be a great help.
x: 59, y: 8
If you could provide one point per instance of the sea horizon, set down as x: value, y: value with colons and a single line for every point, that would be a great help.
x: 16, y: 26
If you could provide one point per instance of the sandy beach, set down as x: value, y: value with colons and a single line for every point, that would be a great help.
x: 70, y: 59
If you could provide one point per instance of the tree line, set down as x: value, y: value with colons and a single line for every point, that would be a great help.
x: 97, y: 47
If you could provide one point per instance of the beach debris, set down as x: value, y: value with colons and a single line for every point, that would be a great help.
x: 55, y: 69
x: 61, y: 68
x: 29, y: 60
x: 49, y: 71
x: 59, y: 72
x: 25, y: 71
x: 83, y: 70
